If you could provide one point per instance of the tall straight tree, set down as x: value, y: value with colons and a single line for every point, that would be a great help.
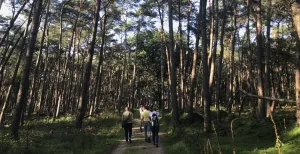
x: 267, y: 82
x: 296, y: 19
x: 86, y: 81
x: 259, y: 59
x: 205, y: 73
x: 23, y: 91
x: 193, y: 73
x: 220, y: 66
x: 175, y: 116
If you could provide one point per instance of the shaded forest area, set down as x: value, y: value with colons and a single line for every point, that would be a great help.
x: 224, y: 73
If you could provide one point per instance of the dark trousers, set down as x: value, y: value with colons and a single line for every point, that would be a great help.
x: 128, y: 131
x: 155, y: 130
x: 147, y: 128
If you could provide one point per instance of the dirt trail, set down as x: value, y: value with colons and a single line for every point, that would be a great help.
x: 138, y: 145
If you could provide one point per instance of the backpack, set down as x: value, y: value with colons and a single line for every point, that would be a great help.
x: 154, y: 120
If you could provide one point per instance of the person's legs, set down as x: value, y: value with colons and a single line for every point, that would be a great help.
x: 153, y: 136
x: 126, y: 132
x: 156, y: 135
x: 145, y: 130
x: 130, y: 131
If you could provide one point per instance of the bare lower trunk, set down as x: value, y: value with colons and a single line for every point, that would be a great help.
x: 296, y: 19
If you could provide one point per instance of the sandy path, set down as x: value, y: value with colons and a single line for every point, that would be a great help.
x: 138, y: 146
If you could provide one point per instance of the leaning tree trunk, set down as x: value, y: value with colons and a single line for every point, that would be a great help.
x: 37, y: 66
x: 296, y: 19
x: 85, y: 89
x: 23, y: 91
x: 175, y: 116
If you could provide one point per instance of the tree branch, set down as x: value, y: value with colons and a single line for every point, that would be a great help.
x: 266, y: 98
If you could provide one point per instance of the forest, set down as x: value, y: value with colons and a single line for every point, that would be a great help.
x: 224, y: 74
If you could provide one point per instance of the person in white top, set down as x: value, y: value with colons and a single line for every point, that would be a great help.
x: 155, y: 125
x: 141, y: 110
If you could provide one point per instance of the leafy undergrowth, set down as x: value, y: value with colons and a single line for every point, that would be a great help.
x: 251, y: 136
x: 100, y: 135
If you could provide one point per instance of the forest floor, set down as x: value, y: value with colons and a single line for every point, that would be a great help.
x: 138, y: 144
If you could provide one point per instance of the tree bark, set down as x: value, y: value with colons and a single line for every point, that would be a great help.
x: 193, y: 73
x: 23, y: 91
x: 220, y: 64
x: 259, y: 59
x: 86, y: 81
x: 267, y: 82
x: 296, y: 19
x: 205, y: 73
x: 175, y: 116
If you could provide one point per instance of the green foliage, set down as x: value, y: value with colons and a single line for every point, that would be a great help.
x: 251, y: 136
x: 100, y: 135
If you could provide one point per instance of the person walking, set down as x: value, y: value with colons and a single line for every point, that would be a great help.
x: 127, y: 119
x: 146, y: 121
x: 155, y: 126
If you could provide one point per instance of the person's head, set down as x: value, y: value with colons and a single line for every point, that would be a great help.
x: 141, y: 105
x: 145, y: 107
x: 126, y: 108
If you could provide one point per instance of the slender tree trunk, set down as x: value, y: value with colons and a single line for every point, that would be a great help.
x: 193, y: 73
x: 205, y: 73
x: 23, y: 91
x: 220, y: 65
x: 175, y: 116
x: 259, y: 60
x: 267, y: 82
x: 37, y: 66
x: 214, y: 45
x: 232, y: 65
x: 12, y: 22
x: 99, y: 68
x: 85, y: 89
x: 296, y: 19
x: 9, y: 92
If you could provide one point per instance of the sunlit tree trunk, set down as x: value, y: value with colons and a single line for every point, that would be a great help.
x: 175, y: 116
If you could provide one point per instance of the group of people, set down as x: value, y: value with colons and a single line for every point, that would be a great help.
x: 149, y: 120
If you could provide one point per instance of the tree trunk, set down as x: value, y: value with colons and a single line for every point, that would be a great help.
x: 175, y: 116
x: 259, y: 59
x: 296, y: 19
x: 267, y: 82
x: 220, y: 65
x: 232, y: 65
x: 23, y: 91
x: 37, y: 66
x: 205, y: 73
x: 193, y: 73
x: 85, y: 89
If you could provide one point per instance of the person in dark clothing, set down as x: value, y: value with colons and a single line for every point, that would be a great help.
x: 155, y: 126
x: 127, y: 119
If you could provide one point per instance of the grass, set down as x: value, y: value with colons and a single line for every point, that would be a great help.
x: 101, y: 134
x: 251, y: 136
